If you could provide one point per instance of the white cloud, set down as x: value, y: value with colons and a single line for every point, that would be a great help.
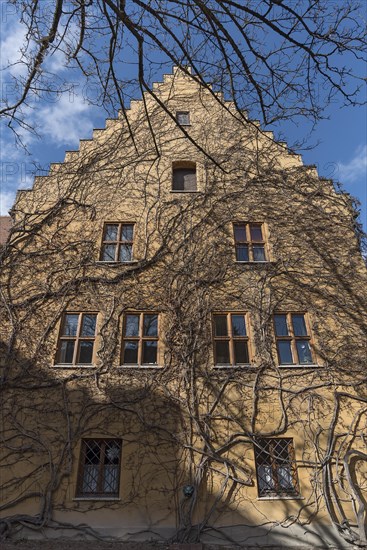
x: 356, y: 168
x: 7, y: 199
x: 66, y: 121
x: 10, y: 48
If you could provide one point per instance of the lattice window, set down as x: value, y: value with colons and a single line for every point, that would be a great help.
x: 276, y: 467
x: 117, y: 244
x: 99, y: 469
x: 250, y: 242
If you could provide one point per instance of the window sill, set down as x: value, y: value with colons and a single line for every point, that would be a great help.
x: 282, y: 497
x: 114, y: 263
x: 88, y: 499
x: 68, y: 366
x: 183, y: 191
x: 244, y: 366
x: 140, y: 367
x: 299, y: 366
x: 253, y: 262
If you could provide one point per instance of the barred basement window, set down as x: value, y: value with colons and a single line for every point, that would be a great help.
x: 183, y: 118
x: 184, y: 176
x: 292, y: 339
x: 99, y: 468
x: 231, y: 346
x: 140, y: 339
x: 249, y: 242
x: 117, y: 244
x: 276, y: 467
x: 77, y: 339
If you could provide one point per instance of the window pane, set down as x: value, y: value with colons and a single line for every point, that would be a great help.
x: 183, y: 117
x: 240, y: 232
x: 127, y: 232
x: 110, y: 479
x: 220, y: 325
x: 130, y: 353
x: 285, y: 353
x: 70, y: 325
x: 238, y: 325
x: 150, y: 325
x: 184, y: 179
x: 299, y: 325
x: 222, y: 353
x: 66, y: 351
x: 112, y: 452
x: 85, y: 352
x: 281, y: 328
x: 92, y: 452
x: 285, y: 478
x: 108, y: 252
x: 149, y: 352
x: 125, y: 253
x: 256, y: 233
x: 304, y: 351
x: 132, y: 325
x: 242, y: 253
x: 240, y: 352
x: 259, y: 253
x: 89, y: 325
x: 111, y: 232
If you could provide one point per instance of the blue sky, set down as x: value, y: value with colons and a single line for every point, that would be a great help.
x: 341, y: 153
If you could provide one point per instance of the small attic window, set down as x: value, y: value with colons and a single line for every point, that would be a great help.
x: 183, y: 118
x: 184, y: 176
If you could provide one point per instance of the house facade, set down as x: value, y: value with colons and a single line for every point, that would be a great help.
x: 184, y: 338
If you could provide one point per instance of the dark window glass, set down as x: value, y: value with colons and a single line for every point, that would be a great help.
x: 89, y: 325
x: 238, y: 325
x: 131, y: 352
x: 184, y: 179
x: 86, y: 351
x: 299, y: 325
x: 240, y: 233
x: 149, y: 352
x: 125, y: 253
x: 240, y: 352
x: 111, y: 232
x: 259, y: 253
x: 183, y: 117
x: 108, y: 252
x: 256, y: 233
x: 99, y: 468
x: 304, y: 351
x: 220, y: 323
x: 276, y: 468
x: 150, y: 325
x: 281, y: 328
x: 132, y: 325
x: 70, y: 326
x: 242, y: 253
x: 222, y: 352
x: 66, y: 351
x: 285, y: 352
x: 127, y: 232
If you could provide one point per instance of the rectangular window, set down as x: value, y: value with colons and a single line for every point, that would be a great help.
x: 276, y: 467
x: 117, y: 244
x: 184, y: 176
x: 249, y: 242
x: 230, y: 337
x: 292, y: 339
x: 183, y: 118
x: 76, y: 339
x: 99, y: 468
x: 140, y: 339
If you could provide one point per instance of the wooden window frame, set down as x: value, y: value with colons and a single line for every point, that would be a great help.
x: 140, y: 339
x: 251, y: 243
x: 293, y: 339
x: 231, y: 339
x: 77, y: 339
x: 118, y: 242
x: 98, y: 493
x: 178, y: 113
x: 274, y: 462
